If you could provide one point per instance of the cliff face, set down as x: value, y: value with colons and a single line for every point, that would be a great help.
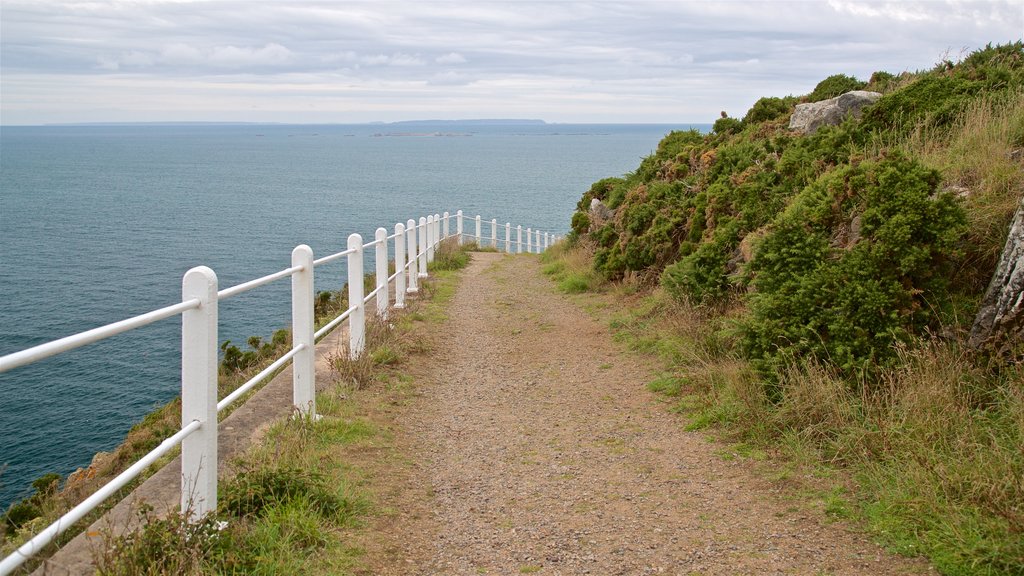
x: 842, y: 242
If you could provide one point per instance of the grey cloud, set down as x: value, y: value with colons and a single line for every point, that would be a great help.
x: 678, y: 58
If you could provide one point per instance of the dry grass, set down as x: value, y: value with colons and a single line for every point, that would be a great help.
x: 570, y: 266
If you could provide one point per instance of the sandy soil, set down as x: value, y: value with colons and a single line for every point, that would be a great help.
x: 532, y: 446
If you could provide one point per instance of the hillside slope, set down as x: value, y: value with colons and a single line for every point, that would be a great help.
x: 828, y: 282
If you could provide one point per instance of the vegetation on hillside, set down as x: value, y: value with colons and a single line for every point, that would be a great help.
x: 816, y: 290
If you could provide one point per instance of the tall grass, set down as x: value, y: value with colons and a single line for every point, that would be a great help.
x: 569, y: 265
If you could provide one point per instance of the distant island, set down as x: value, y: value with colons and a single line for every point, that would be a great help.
x: 472, y: 122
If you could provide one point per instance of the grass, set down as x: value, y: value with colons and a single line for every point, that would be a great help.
x: 927, y: 457
x: 162, y: 422
x: 569, y: 266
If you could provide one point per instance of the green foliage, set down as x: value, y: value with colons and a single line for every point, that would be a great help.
x: 610, y: 191
x: 448, y: 256
x: 20, y: 513
x: 47, y: 484
x: 829, y: 261
x: 767, y: 109
x: 935, y: 99
x: 253, y: 492
x: 881, y: 81
x: 234, y: 359
x: 24, y: 511
x: 727, y: 125
x: 702, y: 275
x: 842, y: 273
x: 834, y: 86
x: 580, y: 223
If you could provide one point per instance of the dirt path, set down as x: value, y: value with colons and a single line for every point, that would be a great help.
x: 534, y: 447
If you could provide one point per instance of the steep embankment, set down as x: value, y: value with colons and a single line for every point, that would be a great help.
x: 814, y: 288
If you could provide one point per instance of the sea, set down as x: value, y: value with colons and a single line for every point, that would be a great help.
x: 99, y: 222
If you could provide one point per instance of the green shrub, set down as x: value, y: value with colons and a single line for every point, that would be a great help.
x: 769, y: 108
x: 936, y: 98
x: 727, y: 125
x: 848, y: 269
x: 880, y: 81
x: 834, y: 86
x: 580, y: 223
x: 701, y: 276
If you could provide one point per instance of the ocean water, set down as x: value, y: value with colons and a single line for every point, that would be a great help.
x: 98, y: 223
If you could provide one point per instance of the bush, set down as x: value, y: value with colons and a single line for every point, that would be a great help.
x: 834, y: 86
x: 580, y: 222
x: 847, y: 270
x: 727, y: 125
x: 936, y: 98
x: 767, y: 109
x: 701, y: 276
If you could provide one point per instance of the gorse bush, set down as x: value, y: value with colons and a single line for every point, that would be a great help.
x: 767, y: 109
x: 691, y: 212
x: 834, y: 86
x: 815, y: 291
x: 936, y: 98
x: 843, y: 273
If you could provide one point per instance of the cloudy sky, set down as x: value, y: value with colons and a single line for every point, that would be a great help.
x: 347, y: 61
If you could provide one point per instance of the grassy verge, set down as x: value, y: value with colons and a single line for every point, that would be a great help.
x: 927, y: 457
x: 54, y: 496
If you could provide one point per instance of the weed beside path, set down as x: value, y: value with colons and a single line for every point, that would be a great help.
x: 531, y: 445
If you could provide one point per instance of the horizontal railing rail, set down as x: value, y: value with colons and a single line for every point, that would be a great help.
x: 536, y: 240
x: 414, y: 245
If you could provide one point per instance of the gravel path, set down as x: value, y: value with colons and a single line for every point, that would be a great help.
x: 534, y: 447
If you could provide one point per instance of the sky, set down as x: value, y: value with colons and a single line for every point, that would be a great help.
x: 353, y: 62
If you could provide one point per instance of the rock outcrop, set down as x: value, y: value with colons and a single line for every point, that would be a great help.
x: 599, y: 213
x: 809, y: 117
x: 1000, y: 320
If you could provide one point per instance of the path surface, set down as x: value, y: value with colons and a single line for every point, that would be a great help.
x: 534, y: 447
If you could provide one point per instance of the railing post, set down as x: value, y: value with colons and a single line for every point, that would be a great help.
x: 447, y: 226
x: 422, y: 247
x: 381, y: 264
x: 437, y: 230
x: 410, y: 234
x: 536, y: 244
x: 458, y: 225
x: 199, y: 393
x: 399, y: 265
x: 357, y: 320
x: 529, y: 240
x: 519, y: 239
x: 304, y: 362
x: 508, y: 238
x: 494, y: 233
x: 478, y: 238
x: 430, y: 238
x: 545, y: 240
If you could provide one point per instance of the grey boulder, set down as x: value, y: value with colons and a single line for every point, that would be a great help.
x: 809, y: 117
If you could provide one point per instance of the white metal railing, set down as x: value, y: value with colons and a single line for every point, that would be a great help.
x: 414, y: 249
x: 536, y: 241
